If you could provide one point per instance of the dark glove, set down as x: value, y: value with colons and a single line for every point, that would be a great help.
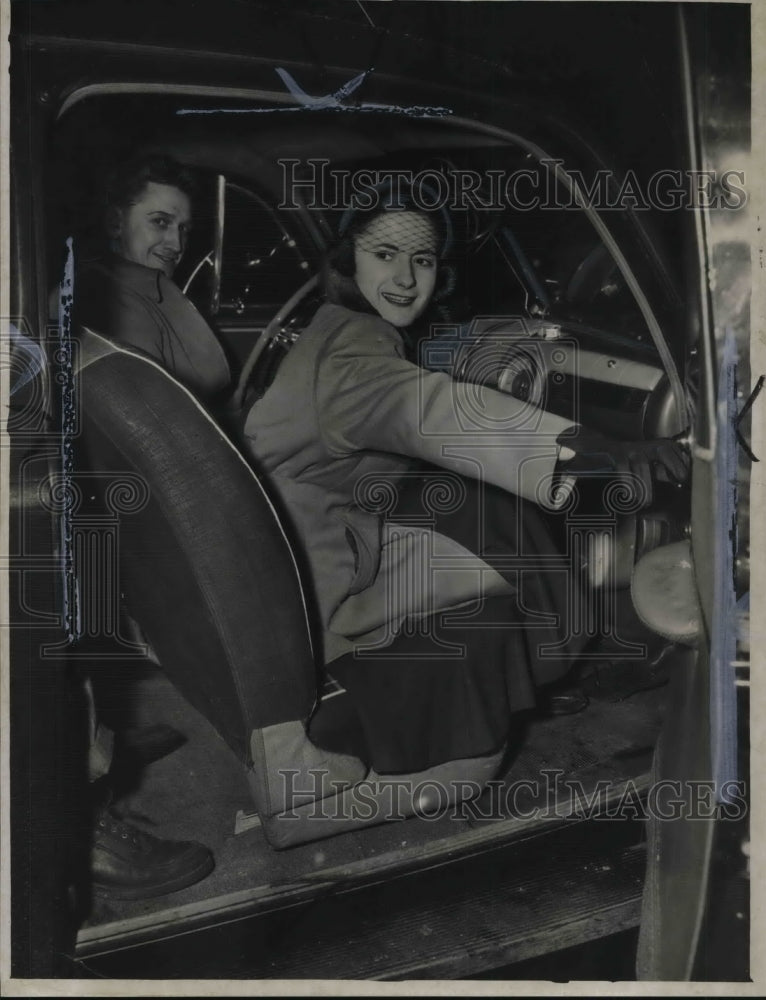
x: 661, y: 460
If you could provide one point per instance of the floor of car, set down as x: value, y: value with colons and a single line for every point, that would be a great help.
x: 199, y: 792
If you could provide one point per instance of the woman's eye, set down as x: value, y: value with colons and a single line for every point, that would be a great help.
x: 384, y: 255
x: 425, y: 261
x: 160, y: 223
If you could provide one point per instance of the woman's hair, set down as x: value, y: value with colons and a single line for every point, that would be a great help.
x: 340, y: 265
x: 126, y: 182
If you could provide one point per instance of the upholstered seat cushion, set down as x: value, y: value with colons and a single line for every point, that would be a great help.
x: 205, y: 566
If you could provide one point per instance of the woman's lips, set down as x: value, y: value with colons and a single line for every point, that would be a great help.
x: 168, y: 260
x: 398, y: 300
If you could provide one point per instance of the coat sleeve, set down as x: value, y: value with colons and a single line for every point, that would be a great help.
x: 369, y: 397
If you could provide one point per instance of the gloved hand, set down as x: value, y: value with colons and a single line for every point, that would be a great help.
x: 662, y: 460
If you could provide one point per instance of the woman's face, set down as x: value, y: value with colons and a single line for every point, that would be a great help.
x: 396, y: 261
x: 153, y: 230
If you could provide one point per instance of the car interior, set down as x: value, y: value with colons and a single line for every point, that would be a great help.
x: 544, y: 306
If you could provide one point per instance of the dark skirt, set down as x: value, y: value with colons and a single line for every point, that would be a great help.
x: 453, y: 685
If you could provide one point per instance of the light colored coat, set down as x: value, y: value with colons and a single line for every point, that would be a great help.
x: 342, y: 421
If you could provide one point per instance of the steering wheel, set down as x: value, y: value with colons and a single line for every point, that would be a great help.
x: 271, y: 330
x: 208, y: 258
x: 505, y: 361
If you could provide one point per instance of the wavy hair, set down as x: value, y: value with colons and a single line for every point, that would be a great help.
x: 127, y: 180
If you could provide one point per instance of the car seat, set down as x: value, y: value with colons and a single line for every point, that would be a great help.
x: 210, y: 576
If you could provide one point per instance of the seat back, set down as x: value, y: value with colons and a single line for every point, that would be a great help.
x: 204, y: 564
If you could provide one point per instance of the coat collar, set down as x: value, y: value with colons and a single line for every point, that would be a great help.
x: 147, y: 281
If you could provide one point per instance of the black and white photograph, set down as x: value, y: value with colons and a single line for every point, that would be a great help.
x: 382, y: 496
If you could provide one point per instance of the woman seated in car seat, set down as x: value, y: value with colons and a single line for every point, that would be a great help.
x: 127, y: 293
x: 338, y: 431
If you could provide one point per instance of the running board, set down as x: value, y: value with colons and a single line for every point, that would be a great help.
x: 453, y: 920
x: 467, y: 925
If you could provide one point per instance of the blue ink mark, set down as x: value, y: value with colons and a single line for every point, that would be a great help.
x: 723, y: 693
x: 413, y: 111
x: 34, y: 357
x: 328, y: 102
x: 71, y: 610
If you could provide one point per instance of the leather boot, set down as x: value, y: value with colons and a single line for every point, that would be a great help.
x: 128, y: 863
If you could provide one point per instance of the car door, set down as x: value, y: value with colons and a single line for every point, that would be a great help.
x: 690, y: 890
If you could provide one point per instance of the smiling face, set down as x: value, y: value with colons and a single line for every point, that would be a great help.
x: 153, y: 229
x: 395, y: 265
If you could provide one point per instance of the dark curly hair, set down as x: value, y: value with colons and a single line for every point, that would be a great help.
x: 126, y: 182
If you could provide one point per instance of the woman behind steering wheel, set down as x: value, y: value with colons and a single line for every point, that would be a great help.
x: 346, y: 420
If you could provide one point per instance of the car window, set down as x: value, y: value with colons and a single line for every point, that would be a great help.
x: 535, y: 253
x: 261, y: 260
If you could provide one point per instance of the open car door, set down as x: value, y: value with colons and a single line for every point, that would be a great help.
x: 693, y: 897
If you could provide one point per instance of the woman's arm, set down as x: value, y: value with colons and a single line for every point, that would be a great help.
x: 370, y: 397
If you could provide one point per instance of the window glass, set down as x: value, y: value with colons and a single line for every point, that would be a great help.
x: 539, y: 254
x: 262, y: 263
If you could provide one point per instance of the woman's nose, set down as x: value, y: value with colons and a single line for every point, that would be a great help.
x: 174, y: 239
x: 404, y: 276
